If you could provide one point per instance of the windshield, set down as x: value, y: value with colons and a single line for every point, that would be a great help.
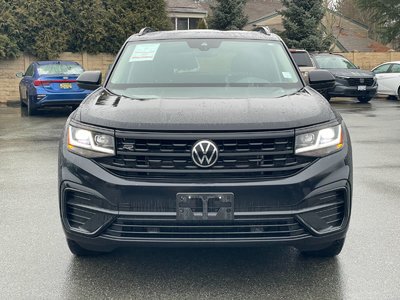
x: 333, y: 62
x: 204, y: 68
x: 60, y: 69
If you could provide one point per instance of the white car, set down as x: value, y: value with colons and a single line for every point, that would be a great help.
x: 388, y: 76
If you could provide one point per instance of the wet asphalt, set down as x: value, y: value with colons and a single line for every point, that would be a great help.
x: 35, y: 262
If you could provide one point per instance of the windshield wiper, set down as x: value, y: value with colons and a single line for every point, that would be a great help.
x: 139, y: 98
x: 291, y: 94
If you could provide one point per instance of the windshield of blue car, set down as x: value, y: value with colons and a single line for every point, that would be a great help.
x: 204, y: 68
x: 60, y: 69
x: 333, y: 62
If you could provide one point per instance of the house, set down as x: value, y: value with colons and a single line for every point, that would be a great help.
x: 349, y: 34
x: 185, y: 14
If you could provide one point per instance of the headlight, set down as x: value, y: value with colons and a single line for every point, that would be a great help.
x: 89, y: 143
x: 321, y: 142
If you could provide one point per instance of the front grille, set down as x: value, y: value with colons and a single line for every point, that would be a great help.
x: 360, y: 81
x: 254, y: 227
x: 239, y: 158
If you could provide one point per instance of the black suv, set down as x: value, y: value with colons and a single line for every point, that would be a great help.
x: 350, y: 80
x: 205, y: 138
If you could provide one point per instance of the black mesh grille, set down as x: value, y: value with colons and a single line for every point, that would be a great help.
x: 81, y: 207
x: 242, y: 227
x: 76, y: 212
x: 240, y: 158
x: 333, y: 215
x: 360, y: 81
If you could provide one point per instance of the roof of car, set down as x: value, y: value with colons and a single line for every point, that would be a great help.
x: 204, y: 34
x: 392, y: 62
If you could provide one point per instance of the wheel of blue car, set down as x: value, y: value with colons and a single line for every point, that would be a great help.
x: 30, y: 108
x: 21, y: 101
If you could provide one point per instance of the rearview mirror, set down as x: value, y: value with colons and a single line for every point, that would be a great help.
x: 321, y: 80
x: 20, y: 74
x: 89, y: 80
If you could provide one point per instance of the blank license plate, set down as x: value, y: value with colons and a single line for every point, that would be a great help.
x: 362, y: 87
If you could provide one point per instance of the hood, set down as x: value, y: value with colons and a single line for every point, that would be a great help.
x: 298, y: 110
x: 352, y: 73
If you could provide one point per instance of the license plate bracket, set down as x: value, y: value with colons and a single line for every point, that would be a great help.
x: 205, y: 206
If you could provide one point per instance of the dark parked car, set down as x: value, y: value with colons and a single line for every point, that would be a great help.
x: 350, y: 80
x: 50, y: 83
x: 205, y: 138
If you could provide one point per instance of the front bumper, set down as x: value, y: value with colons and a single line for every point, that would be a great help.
x: 340, y: 90
x: 102, y: 211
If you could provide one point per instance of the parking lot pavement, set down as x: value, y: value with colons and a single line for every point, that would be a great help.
x: 35, y: 262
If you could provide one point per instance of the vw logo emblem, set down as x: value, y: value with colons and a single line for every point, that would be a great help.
x: 204, y: 153
x: 361, y: 80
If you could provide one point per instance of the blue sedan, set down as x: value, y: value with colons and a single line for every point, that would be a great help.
x: 51, y: 83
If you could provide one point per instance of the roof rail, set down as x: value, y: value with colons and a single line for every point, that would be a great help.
x: 262, y: 29
x: 146, y: 30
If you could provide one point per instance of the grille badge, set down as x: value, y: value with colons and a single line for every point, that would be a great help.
x: 204, y: 153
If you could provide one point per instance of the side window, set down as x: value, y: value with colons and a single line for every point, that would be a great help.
x: 382, y: 69
x: 395, y: 68
x: 29, y: 71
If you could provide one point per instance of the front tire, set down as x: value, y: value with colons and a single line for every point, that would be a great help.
x: 398, y: 93
x: 364, y: 99
x: 78, y: 250
x: 331, y: 251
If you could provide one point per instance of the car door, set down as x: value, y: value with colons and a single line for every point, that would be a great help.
x: 393, y: 81
x: 26, y: 81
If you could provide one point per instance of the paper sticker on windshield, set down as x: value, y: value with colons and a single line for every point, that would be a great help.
x: 287, y: 75
x: 144, y: 52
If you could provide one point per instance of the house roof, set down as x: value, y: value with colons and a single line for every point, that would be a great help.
x: 257, y: 9
x: 352, y: 35
x: 185, y: 6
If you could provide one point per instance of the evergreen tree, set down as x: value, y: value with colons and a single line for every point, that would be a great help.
x: 8, y: 31
x: 45, y: 28
x: 130, y: 16
x: 41, y: 30
x: 228, y: 15
x: 302, y: 23
x: 86, y: 23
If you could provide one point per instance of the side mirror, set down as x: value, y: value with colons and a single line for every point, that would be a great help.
x: 20, y: 74
x: 89, y: 80
x: 321, y: 80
